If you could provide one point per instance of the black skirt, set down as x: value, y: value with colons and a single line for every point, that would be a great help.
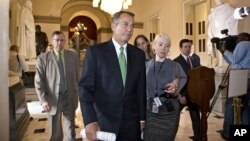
x: 162, y: 126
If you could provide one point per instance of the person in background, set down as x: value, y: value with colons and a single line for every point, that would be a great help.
x: 56, y: 79
x: 16, y: 61
x: 243, y: 36
x: 239, y: 58
x: 164, y: 80
x: 41, y: 40
x: 187, y: 64
x: 112, y: 87
x: 143, y: 43
x: 194, y: 56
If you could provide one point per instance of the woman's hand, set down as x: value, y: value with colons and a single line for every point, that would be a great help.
x: 171, y: 88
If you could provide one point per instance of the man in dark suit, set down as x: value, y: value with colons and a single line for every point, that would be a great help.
x: 56, y: 79
x: 112, y: 93
x: 41, y: 40
x: 187, y: 63
x: 195, y: 58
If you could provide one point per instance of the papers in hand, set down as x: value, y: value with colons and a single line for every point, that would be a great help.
x: 103, y: 136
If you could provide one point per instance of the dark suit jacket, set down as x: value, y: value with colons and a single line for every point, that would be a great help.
x: 103, y: 97
x: 195, y: 58
x: 185, y: 66
x: 41, y: 42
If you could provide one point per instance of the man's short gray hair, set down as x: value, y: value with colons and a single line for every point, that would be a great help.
x: 117, y: 15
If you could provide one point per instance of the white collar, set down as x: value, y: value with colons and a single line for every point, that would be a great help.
x: 185, y: 56
x: 117, y: 48
x: 117, y: 45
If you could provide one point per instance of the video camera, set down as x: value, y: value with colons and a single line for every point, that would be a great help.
x: 229, y: 42
x: 241, y: 13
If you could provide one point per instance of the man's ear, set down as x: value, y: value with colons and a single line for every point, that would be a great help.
x: 180, y: 48
x: 113, y: 26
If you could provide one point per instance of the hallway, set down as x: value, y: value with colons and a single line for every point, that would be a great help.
x: 38, y: 128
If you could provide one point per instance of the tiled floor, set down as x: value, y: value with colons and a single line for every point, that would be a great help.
x: 38, y: 128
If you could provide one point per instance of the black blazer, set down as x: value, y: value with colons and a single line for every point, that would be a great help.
x: 195, y: 58
x: 185, y: 66
x: 103, y: 97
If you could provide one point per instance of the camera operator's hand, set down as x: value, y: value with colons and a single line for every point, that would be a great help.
x: 222, y: 48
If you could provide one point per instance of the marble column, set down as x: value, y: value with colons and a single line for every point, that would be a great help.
x: 4, y: 53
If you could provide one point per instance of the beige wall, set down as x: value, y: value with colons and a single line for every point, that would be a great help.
x: 48, y: 7
x: 169, y: 12
x: 169, y: 19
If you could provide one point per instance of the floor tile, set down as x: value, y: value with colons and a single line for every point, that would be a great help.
x: 39, y: 121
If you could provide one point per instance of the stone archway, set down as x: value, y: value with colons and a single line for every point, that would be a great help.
x: 91, y: 29
x: 76, y: 8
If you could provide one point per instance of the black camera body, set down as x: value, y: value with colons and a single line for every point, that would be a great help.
x: 229, y: 42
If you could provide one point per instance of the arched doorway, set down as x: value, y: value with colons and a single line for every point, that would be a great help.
x: 91, y: 31
x: 80, y: 41
x: 74, y: 9
x: 97, y: 22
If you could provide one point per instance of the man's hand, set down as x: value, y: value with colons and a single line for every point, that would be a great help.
x: 90, y: 131
x: 182, y: 99
x: 46, y: 106
x: 142, y: 124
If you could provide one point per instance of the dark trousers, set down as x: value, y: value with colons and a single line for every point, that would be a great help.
x: 194, y: 113
x: 129, y: 130
x: 195, y: 118
x: 55, y: 121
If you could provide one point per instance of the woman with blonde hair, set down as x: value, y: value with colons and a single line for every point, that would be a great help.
x: 164, y: 80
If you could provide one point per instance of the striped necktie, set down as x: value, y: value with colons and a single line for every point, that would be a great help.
x: 123, y: 65
x: 189, y: 62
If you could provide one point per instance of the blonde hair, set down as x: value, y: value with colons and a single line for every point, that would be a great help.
x: 162, y: 35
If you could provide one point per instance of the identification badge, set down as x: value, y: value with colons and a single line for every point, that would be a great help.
x: 157, y: 101
x: 155, y: 108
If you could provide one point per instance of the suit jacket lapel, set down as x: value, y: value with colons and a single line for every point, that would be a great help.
x: 113, y: 61
x: 183, y: 59
x: 66, y: 62
x: 52, y: 58
x: 129, y: 63
x: 186, y: 65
